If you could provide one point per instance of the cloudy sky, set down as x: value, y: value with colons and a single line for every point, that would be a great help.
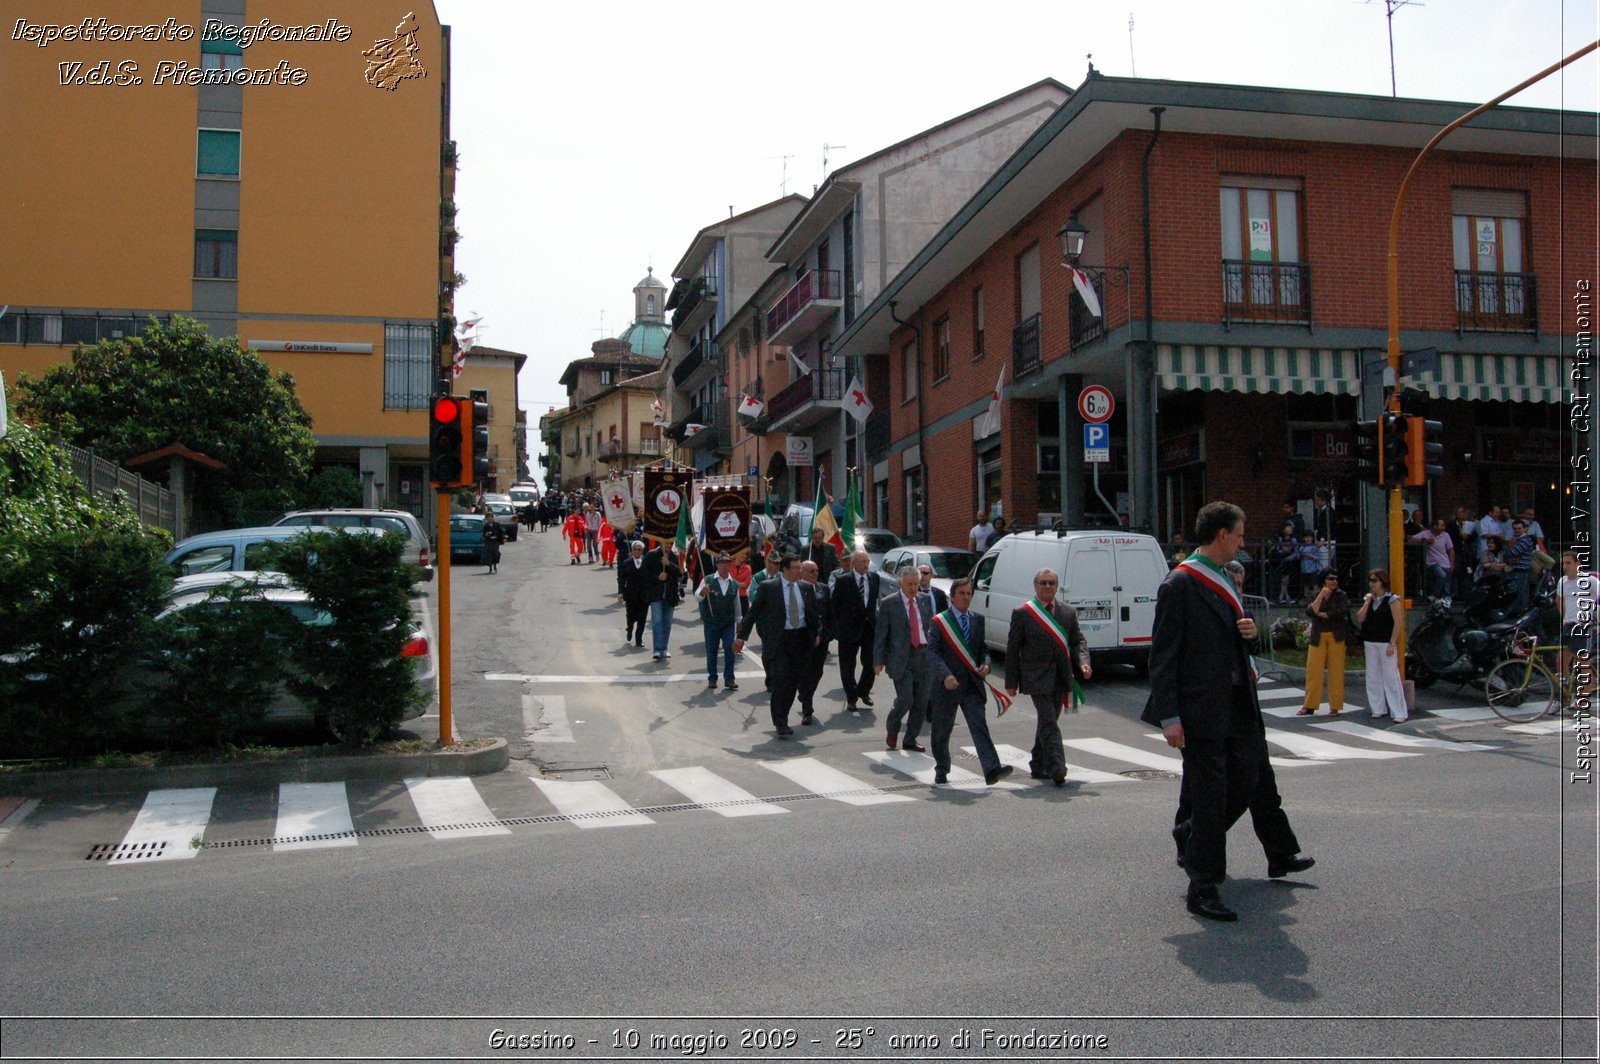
x: 596, y: 139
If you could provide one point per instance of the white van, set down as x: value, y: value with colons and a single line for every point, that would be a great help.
x: 1109, y: 577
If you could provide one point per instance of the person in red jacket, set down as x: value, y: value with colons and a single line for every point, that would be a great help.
x: 575, y: 529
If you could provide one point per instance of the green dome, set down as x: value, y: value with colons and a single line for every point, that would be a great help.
x: 646, y: 338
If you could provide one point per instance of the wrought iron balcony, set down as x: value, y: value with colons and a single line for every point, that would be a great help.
x: 1025, y: 347
x: 1266, y: 291
x: 802, y: 402
x: 695, y: 303
x: 1087, y: 327
x: 713, y: 415
x: 1496, y: 302
x: 812, y: 300
x: 702, y: 352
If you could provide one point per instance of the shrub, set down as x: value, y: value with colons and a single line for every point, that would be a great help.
x: 1290, y: 632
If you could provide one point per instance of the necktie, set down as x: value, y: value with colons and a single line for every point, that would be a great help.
x: 861, y: 582
x: 794, y: 606
x: 915, y: 613
x: 966, y: 628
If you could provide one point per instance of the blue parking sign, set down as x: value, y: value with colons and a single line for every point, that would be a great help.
x: 1096, y: 442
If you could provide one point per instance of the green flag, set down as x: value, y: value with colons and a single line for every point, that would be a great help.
x: 847, y: 530
x: 685, y: 532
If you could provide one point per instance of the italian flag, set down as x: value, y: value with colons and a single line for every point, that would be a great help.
x: 823, y: 519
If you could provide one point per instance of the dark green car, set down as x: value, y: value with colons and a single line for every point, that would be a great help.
x: 466, y: 537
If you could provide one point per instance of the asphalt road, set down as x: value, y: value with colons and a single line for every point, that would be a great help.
x: 1451, y: 914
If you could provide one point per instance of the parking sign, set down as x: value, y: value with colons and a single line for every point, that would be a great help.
x: 1096, y: 442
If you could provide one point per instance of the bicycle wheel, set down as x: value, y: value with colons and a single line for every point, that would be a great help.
x: 1521, y: 691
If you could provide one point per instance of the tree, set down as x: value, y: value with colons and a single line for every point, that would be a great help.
x: 178, y: 384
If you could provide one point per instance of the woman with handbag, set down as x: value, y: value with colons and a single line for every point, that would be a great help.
x: 1325, y: 645
x: 1381, y: 620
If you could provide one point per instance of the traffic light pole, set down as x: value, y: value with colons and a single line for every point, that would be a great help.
x: 442, y: 504
x: 1396, y: 519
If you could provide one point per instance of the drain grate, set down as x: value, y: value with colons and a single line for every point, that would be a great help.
x: 1150, y: 774
x: 593, y: 772
x: 126, y: 851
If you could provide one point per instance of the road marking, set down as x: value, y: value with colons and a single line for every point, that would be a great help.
x: 704, y: 787
x: 1379, y: 735
x: 546, y: 723
x: 450, y: 807
x: 1277, y: 762
x: 1280, y: 694
x: 1119, y: 752
x: 922, y: 768
x: 1314, y: 749
x: 15, y: 811
x: 313, y: 809
x: 175, y: 817
x: 828, y: 782
x: 1020, y: 759
x: 575, y: 799
x: 1467, y: 713
x: 604, y: 681
x: 1543, y: 727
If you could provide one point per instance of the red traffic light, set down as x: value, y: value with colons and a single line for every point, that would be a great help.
x: 445, y: 409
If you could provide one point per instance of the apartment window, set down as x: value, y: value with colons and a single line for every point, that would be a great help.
x: 221, y: 55
x: 1028, y: 283
x: 219, y: 152
x: 608, y: 376
x: 977, y: 323
x: 409, y: 357
x: 1494, y: 291
x: 908, y: 372
x: 941, y: 349
x: 216, y: 253
x: 1263, y: 277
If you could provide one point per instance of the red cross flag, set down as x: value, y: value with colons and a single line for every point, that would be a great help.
x: 619, y: 503
x: 750, y: 406
x: 1085, y: 287
x: 856, y: 401
x: 991, y: 417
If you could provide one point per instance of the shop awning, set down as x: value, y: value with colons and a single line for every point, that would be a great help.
x: 1498, y: 378
x: 1280, y: 370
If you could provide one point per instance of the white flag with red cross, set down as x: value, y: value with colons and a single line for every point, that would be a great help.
x: 617, y: 498
x: 856, y: 401
x: 991, y: 417
x: 750, y: 406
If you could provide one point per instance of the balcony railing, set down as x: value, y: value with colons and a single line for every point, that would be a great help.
x: 693, y: 296
x: 1087, y: 327
x: 1265, y: 291
x: 713, y: 415
x: 1496, y: 302
x: 807, y: 292
x: 701, y: 352
x: 1025, y: 347
x: 816, y: 386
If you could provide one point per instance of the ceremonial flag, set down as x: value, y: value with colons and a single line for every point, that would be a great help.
x: 823, y: 519
x: 685, y: 531
x: 751, y: 407
x: 1085, y: 287
x: 991, y: 417
x: 799, y: 365
x: 692, y: 429
x: 856, y: 401
x: 618, y: 499
x: 847, y: 531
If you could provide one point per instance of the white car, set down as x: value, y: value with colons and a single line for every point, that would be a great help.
x: 948, y: 563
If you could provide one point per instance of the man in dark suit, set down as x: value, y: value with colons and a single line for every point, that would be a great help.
x: 1045, y: 653
x: 784, y: 610
x: 819, y: 550
x: 955, y: 684
x: 941, y: 601
x: 1203, y: 698
x: 634, y: 593
x: 853, y: 597
x: 819, y: 654
x: 900, y: 647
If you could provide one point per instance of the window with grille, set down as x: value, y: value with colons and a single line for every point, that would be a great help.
x: 1263, y: 272
x: 409, y: 358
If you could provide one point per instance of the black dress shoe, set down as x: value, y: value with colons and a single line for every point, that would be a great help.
x: 1037, y: 775
x: 865, y: 700
x: 1210, y: 906
x: 916, y: 748
x: 732, y: 686
x: 940, y: 777
x: 850, y: 708
x: 809, y: 718
x: 1278, y: 867
x: 991, y: 778
x: 784, y: 731
x: 1059, y: 780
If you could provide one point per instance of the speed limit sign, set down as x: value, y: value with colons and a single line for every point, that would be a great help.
x: 1095, y: 404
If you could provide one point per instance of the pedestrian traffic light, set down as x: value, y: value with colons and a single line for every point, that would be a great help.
x: 1396, y: 450
x: 1369, y: 451
x: 444, y: 441
x: 477, y: 459
x: 1425, y: 451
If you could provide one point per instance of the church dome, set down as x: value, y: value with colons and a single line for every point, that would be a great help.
x: 646, y: 338
x: 651, y: 281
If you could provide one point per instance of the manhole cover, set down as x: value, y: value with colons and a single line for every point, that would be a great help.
x: 1150, y: 774
x: 598, y: 772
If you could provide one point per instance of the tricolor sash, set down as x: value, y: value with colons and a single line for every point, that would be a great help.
x: 1047, y: 620
x: 952, y: 634
x: 1221, y: 585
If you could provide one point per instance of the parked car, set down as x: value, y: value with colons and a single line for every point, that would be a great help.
x: 230, y: 551
x: 523, y: 496
x: 948, y: 562
x: 505, y: 515
x: 466, y: 536
x: 404, y: 522
x: 877, y: 542
x: 196, y: 592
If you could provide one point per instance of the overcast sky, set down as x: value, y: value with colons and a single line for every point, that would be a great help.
x: 597, y: 139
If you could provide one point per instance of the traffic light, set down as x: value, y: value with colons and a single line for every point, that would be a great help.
x: 1395, y: 454
x: 1369, y: 450
x: 445, y: 441
x: 477, y: 459
x: 1425, y: 453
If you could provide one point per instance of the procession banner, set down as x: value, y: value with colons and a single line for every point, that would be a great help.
x: 727, y: 521
x: 665, y: 492
x: 617, y: 495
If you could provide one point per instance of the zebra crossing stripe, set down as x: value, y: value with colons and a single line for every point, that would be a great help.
x: 923, y: 768
x: 175, y: 817
x: 313, y: 809
x: 1466, y: 713
x: 1279, y: 694
x: 705, y: 787
x: 1018, y: 759
x: 451, y: 808
x: 1309, y: 746
x: 1543, y: 727
x: 1119, y: 752
x: 589, y: 803
x: 828, y: 782
x: 1277, y: 762
x: 1378, y: 735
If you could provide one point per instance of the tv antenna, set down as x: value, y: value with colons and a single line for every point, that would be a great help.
x: 783, y: 186
x: 826, y: 147
x: 1390, y: 7
x: 1132, y: 65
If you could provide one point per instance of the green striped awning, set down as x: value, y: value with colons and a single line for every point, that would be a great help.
x: 1499, y: 378
x: 1281, y: 370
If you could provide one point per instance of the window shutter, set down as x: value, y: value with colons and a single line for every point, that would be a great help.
x: 1489, y: 203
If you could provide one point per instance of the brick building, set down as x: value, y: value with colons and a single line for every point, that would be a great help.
x: 1234, y: 330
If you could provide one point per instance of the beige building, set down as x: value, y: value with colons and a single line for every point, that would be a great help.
x: 491, y: 374
x: 609, y: 416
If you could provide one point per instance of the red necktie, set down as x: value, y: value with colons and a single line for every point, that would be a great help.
x: 916, y: 622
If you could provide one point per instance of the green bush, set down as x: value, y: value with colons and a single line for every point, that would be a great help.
x: 1290, y: 632
x: 356, y: 679
x: 331, y: 487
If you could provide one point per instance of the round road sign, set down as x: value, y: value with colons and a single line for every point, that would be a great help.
x: 1095, y: 404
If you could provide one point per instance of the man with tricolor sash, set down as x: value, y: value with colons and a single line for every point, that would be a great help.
x: 1203, y: 698
x: 1046, y: 653
x: 961, y: 680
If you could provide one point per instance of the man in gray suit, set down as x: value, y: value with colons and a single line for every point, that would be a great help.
x: 1045, y: 651
x: 785, y: 612
x: 900, y: 646
x: 956, y: 685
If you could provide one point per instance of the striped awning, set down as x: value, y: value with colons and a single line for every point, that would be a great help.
x: 1281, y: 370
x: 1498, y: 378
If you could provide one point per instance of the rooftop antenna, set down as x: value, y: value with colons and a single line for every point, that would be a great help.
x: 602, y: 323
x: 783, y: 187
x: 1132, y: 65
x: 826, y: 147
x: 1390, y: 7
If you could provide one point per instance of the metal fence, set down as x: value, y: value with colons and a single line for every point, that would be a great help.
x: 154, y: 504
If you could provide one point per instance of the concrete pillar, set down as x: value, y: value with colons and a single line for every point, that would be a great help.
x: 374, y: 476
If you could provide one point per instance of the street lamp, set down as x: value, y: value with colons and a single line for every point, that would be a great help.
x: 1072, y: 237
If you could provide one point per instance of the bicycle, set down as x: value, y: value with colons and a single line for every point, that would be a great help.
x: 1524, y: 687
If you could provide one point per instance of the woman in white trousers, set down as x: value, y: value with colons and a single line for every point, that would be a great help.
x: 1381, y: 620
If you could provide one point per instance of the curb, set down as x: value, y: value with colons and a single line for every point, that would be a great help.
x: 68, y: 782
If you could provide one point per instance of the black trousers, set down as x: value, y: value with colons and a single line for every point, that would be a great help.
x: 1047, y: 759
x: 1267, y: 817
x: 856, y: 680
x: 638, y: 614
x: 816, y: 662
x: 1220, y: 777
x: 786, y: 667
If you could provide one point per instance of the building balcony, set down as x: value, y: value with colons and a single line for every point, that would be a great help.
x: 1266, y: 291
x: 704, y: 355
x: 715, y: 434
x: 1496, y: 302
x: 696, y: 304
x: 806, y: 401
x: 638, y: 452
x: 1087, y: 327
x: 1025, y: 347
x: 812, y: 300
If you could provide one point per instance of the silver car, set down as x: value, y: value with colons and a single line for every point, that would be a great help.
x: 419, y: 550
